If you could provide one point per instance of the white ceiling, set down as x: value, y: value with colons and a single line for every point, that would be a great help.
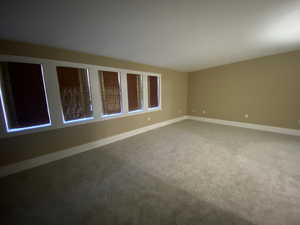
x: 184, y: 35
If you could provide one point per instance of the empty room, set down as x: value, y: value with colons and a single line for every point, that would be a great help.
x: 150, y: 112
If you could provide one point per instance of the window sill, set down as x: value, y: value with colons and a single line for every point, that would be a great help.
x: 76, y: 122
x: 16, y: 130
x: 136, y: 111
x: 154, y: 109
x: 112, y: 116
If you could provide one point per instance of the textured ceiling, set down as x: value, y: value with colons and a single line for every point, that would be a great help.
x: 184, y: 35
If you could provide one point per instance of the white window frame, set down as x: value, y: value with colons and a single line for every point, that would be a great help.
x: 142, y: 77
x: 54, y: 100
x: 4, y: 120
x: 158, y: 94
x: 122, y: 106
x: 91, y: 95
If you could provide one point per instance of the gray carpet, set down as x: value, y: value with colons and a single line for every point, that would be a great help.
x: 186, y: 173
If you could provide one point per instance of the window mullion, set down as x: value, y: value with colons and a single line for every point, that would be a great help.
x: 124, y: 93
x: 52, y: 90
x: 145, y: 91
x: 96, y: 93
x: 159, y: 92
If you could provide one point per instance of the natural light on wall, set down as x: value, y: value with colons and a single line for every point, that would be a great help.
x: 286, y: 29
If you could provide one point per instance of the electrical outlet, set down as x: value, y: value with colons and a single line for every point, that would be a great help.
x: 246, y: 116
x: 149, y: 118
x: 203, y: 111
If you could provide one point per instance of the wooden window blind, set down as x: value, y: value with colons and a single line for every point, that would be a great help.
x: 134, y: 90
x: 74, y: 93
x: 153, y: 94
x: 24, y: 95
x: 110, y: 92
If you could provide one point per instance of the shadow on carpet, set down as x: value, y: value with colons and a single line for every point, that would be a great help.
x: 98, y: 188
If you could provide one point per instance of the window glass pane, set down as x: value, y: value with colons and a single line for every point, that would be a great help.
x: 134, y: 89
x: 110, y: 92
x: 153, y: 94
x: 74, y: 93
x: 23, y: 95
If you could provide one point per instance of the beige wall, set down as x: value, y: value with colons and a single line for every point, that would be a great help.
x: 174, y: 98
x: 268, y: 89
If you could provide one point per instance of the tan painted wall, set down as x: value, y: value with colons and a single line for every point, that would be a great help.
x: 174, y: 98
x: 268, y: 89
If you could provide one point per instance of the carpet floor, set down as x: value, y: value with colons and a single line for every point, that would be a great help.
x: 188, y: 173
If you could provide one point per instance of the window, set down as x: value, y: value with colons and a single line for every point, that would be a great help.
x: 23, y: 96
x: 153, y: 91
x: 134, y: 92
x: 110, y: 92
x: 43, y: 94
x: 74, y: 93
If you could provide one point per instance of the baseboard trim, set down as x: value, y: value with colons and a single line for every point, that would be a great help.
x: 44, y: 159
x: 280, y: 130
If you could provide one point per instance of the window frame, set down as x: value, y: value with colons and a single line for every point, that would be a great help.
x: 91, y: 96
x: 4, y: 106
x: 142, y: 78
x: 158, y: 90
x: 52, y: 93
x: 122, y: 106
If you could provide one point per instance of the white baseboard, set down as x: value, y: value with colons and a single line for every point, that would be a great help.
x: 31, y: 163
x: 280, y: 130
x: 44, y: 159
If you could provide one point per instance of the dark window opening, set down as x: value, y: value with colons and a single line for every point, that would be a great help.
x: 110, y: 92
x: 24, y: 95
x: 74, y: 93
x: 134, y: 90
x: 153, y: 95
